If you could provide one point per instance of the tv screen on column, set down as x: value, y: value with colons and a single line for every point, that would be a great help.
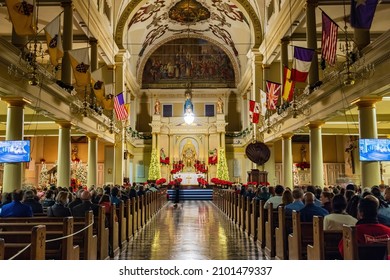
x: 12, y: 151
x: 374, y: 149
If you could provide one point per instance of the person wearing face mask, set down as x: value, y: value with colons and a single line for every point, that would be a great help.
x: 59, y: 209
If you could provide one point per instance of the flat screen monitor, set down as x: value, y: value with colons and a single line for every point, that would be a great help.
x: 374, y: 149
x: 12, y: 151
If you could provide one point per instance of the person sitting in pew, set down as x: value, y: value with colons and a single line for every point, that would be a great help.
x: 277, y: 199
x: 311, y: 209
x: 16, y: 208
x: 297, y: 204
x: 338, y: 217
x: 29, y: 198
x: 59, y: 209
x: 85, y: 206
x: 368, y: 228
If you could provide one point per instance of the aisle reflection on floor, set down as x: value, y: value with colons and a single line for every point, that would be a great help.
x: 195, y: 230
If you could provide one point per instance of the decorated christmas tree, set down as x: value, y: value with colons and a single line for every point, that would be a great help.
x: 81, y: 174
x: 222, y: 169
x: 154, y: 167
x: 43, y: 176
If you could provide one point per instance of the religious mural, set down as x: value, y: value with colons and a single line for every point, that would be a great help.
x: 188, y: 11
x: 188, y: 60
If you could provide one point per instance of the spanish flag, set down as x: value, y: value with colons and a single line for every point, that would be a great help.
x: 21, y: 14
x: 79, y: 60
x: 54, y: 41
x: 288, y: 85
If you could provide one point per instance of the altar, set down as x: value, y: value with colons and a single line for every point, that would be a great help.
x: 189, y: 178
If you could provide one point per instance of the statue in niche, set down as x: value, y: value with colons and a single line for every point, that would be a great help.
x: 220, y: 106
x: 157, y: 107
x: 189, y: 157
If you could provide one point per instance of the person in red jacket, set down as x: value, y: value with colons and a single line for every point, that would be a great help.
x: 368, y: 229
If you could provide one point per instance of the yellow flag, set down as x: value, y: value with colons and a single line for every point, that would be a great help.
x: 288, y: 89
x: 79, y: 59
x: 54, y: 41
x: 108, y: 104
x: 21, y: 14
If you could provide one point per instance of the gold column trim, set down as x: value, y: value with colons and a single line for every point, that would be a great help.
x: 366, y: 101
x: 16, y: 101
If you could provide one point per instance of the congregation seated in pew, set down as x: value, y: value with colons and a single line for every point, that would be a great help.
x: 368, y: 228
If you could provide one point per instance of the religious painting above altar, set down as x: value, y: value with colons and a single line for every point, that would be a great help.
x: 188, y: 60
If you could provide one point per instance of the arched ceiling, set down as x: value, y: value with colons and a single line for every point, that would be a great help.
x: 232, y: 26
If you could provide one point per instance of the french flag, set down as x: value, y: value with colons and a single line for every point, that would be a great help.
x: 301, y: 63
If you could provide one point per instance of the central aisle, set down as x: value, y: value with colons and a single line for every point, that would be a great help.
x: 195, y: 230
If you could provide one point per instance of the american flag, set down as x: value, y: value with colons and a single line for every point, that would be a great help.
x: 273, y: 93
x: 329, y: 39
x: 119, y: 107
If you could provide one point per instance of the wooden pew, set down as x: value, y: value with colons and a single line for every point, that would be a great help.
x: 36, y: 237
x: 86, y: 240
x: 325, y: 242
x: 113, y: 233
x: 129, y: 219
x: 355, y: 251
x: 248, y: 213
x: 270, y: 225
x: 122, y: 224
x: 261, y: 224
x: 282, y: 230
x: 254, y: 218
x: 301, y: 236
x: 60, y: 249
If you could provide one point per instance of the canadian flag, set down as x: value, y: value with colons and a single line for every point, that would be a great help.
x: 254, y: 111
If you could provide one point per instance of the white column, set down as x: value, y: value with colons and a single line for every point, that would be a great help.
x: 316, y: 157
x: 370, y: 170
x: 63, y: 165
x: 269, y: 166
x: 287, y: 161
x: 14, y: 131
x: 92, y: 160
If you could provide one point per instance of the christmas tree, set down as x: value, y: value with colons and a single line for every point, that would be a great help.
x: 43, y: 176
x: 222, y: 169
x: 81, y: 174
x: 154, y: 167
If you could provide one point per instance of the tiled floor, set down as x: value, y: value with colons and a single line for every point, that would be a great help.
x: 196, y: 230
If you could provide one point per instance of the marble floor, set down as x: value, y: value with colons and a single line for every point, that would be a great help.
x: 195, y: 230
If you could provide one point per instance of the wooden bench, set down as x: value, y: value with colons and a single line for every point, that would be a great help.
x: 301, y: 236
x: 355, y: 251
x: 282, y: 230
x: 17, y: 234
x: 270, y: 225
x: 86, y: 240
x: 254, y: 218
x: 325, y: 242
x: 36, y: 237
x: 261, y: 224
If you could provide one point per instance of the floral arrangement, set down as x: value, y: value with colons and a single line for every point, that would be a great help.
x: 161, y: 181
x: 302, y: 165
x: 217, y: 181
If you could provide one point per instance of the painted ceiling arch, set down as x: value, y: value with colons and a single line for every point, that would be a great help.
x: 143, y: 25
x: 182, y: 61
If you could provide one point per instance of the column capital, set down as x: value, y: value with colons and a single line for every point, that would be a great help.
x: 92, y: 40
x: 92, y: 135
x: 285, y: 40
x: 287, y: 136
x: 266, y: 66
x: 64, y: 123
x: 315, y: 124
x: 366, y: 101
x: 66, y: 3
x: 312, y: 3
x: 16, y: 101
